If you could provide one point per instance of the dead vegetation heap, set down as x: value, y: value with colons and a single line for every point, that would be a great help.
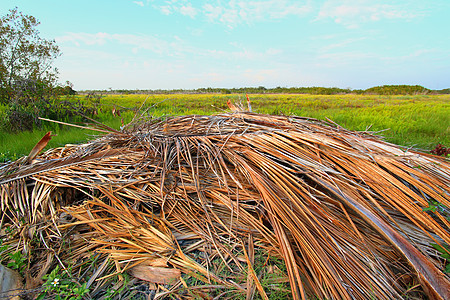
x: 348, y: 213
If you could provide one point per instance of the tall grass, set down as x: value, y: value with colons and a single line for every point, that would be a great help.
x: 419, y: 121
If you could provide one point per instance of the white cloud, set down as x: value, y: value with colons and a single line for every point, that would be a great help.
x: 343, y: 43
x: 233, y: 13
x: 169, y: 47
x: 188, y: 10
x: 165, y: 9
x: 237, y: 12
x: 416, y: 56
x: 139, y: 42
x: 352, y: 13
x: 140, y: 3
x: 173, y: 6
x: 212, y: 12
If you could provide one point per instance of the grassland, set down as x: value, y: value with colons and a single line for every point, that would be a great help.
x: 419, y: 121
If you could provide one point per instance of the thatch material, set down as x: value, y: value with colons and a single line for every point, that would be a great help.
x: 344, y: 210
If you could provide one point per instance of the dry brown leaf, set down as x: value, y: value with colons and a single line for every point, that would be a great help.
x: 39, y: 146
x: 156, y: 274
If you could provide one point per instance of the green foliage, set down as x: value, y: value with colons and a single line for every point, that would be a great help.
x: 115, y: 290
x: 19, y: 118
x: 398, y: 90
x: 28, y: 83
x: 443, y: 91
x: 435, y: 206
x: 445, y: 254
x: 58, y: 286
x: 18, y: 261
x: 271, y: 271
x: 26, y: 58
x: 270, y: 281
x: 66, y: 90
x: 4, y: 248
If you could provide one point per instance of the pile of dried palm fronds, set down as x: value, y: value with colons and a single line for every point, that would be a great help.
x: 353, y: 217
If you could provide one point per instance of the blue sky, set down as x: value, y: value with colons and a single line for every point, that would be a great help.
x: 152, y: 44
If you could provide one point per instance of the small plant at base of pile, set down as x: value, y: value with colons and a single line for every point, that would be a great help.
x: 443, y: 250
x: 18, y: 261
x: 58, y: 287
x: 444, y: 253
x: 118, y: 286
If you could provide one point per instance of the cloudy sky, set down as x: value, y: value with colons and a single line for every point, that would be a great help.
x: 153, y: 44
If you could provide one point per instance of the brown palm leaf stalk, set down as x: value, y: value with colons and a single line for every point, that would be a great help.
x: 348, y: 213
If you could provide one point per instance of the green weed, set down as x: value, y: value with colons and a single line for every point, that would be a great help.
x: 119, y: 287
x: 18, y: 261
x: 58, y: 286
x: 271, y: 272
x: 444, y: 253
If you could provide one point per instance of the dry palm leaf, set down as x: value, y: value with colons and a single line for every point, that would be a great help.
x: 353, y: 217
x: 39, y: 146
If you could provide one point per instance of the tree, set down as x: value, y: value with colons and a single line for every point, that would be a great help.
x: 27, y: 78
x: 26, y: 58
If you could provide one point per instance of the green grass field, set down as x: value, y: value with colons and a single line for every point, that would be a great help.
x: 419, y: 121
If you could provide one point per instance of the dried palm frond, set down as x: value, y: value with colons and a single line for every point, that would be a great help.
x: 347, y: 212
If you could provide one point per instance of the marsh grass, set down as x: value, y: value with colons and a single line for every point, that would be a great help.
x: 419, y: 121
x: 21, y: 143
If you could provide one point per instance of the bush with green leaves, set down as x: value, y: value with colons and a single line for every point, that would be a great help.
x: 28, y: 82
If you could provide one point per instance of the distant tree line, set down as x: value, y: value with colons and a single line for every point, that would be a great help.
x: 377, y: 90
x: 443, y: 91
x: 397, y: 90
